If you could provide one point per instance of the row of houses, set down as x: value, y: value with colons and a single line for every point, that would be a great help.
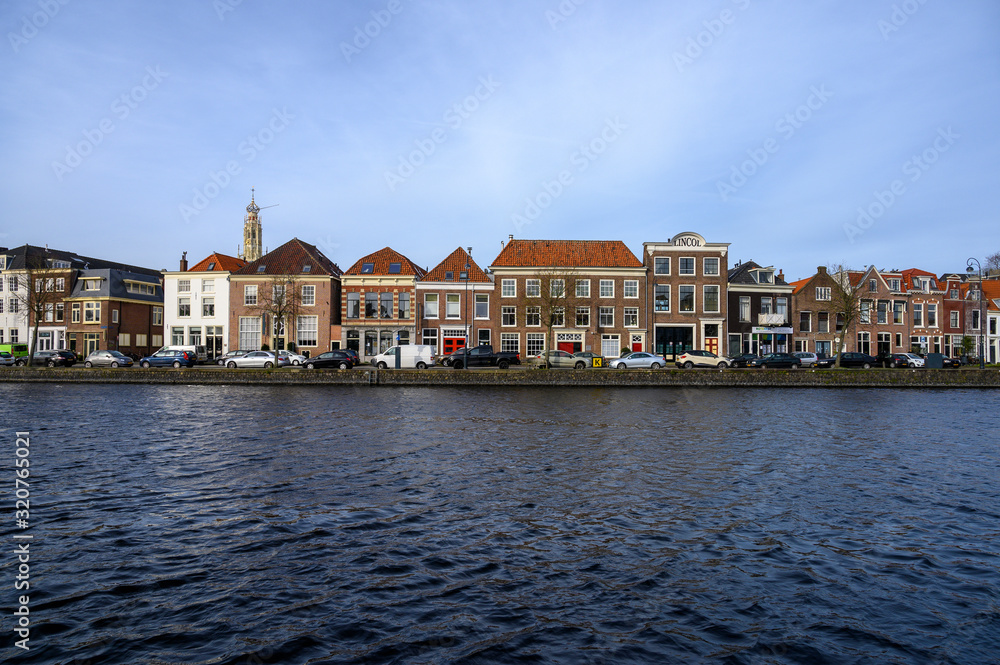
x: 574, y: 295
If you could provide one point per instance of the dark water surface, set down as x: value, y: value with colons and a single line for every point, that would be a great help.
x: 359, y: 525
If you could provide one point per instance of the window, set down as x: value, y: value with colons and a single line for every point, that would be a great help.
x: 685, y: 294
x: 711, y: 299
x: 781, y: 308
x: 183, y: 307
x: 449, y: 275
x: 249, y: 297
x: 12, y: 283
x: 140, y: 339
x: 308, y: 294
x: 208, y: 286
x: 508, y: 288
x: 261, y: 269
x: 711, y: 266
x: 661, y: 298
x: 307, y: 330
x: 883, y: 312
x: 840, y: 323
x: 765, y: 277
x: 60, y: 311
x: 430, y: 336
x: 14, y: 339
x: 508, y: 316
x: 631, y: 288
x: 918, y: 315
x: 482, y: 306
x: 864, y: 342
x: 13, y: 306
x: 583, y: 317
x: 932, y: 316
x: 557, y: 288
x: 606, y: 317
x: 899, y: 340
x: 805, y: 322
x: 50, y: 312
x: 385, y: 305
x: 484, y: 335
x: 353, y: 305
x: 823, y: 322
x: 208, y: 307
x: 611, y: 346
x: 685, y: 265
x: 114, y: 316
x: 765, y: 305
x: 367, y: 268
x: 177, y: 336
x: 194, y: 336
x: 95, y: 285
x: 249, y: 333
x: 558, y: 317
x: 91, y: 312
x: 371, y: 305
x: 632, y: 317
x: 893, y: 284
x: 745, y: 308
x: 898, y: 310
x: 866, y: 311
x: 583, y: 288
x: 395, y: 268
x: 975, y: 319
x: 607, y: 288
x: 157, y: 341
x: 872, y: 285
x: 534, y: 343
x: 430, y: 305
x: 1, y: 305
x: 953, y: 316
x: 157, y: 316
x: 60, y: 284
x: 124, y: 339
x: 533, y: 316
x: 824, y: 293
x: 953, y: 294
x: 532, y: 288
x: 510, y: 342
x: 183, y: 286
x: 453, y: 306
x: 50, y: 284
x: 404, y: 305
x: 661, y: 265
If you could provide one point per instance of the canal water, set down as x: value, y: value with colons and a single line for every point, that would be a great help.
x: 253, y: 525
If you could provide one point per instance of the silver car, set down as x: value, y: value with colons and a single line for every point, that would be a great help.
x: 107, y: 359
x: 293, y: 358
x: 6, y: 360
x: 263, y: 359
x: 638, y: 360
x: 808, y: 359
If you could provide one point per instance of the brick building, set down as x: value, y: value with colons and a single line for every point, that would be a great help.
x: 591, y: 291
x: 378, y: 302
x: 926, y: 295
x: 953, y: 314
x: 453, y: 301
x: 814, y: 315
x: 687, y: 294
x: 759, y: 310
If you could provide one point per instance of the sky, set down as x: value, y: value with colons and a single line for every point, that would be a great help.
x: 803, y: 134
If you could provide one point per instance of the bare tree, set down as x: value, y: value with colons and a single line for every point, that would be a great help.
x: 550, y: 295
x: 278, y: 302
x: 846, y: 303
x: 992, y: 262
x: 38, y: 298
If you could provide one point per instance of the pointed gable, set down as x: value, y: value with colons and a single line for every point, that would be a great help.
x: 219, y: 262
x: 566, y: 253
x: 455, y: 264
x: 295, y: 257
x: 385, y: 261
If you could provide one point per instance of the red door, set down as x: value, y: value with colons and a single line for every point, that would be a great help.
x: 452, y: 344
x: 637, y: 346
x: 566, y: 346
x: 712, y: 344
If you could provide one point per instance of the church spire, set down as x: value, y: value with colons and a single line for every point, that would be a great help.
x: 252, y: 242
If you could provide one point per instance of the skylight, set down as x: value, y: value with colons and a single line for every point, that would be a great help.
x: 307, y: 268
x: 367, y: 268
x: 211, y: 266
x: 261, y: 268
x: 394, y: 268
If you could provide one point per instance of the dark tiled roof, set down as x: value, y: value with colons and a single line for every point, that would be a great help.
x: 455, y: 264
x: 292, y: 259
x: 741, y: 274
x: 76, y: 261
x: 381, y: 260
x: 222, y: 262
x: 567, y: 253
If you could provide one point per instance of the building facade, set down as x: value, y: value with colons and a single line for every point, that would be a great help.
x: 760, y: 307
x: 453, y: 302
x: 196, y: 303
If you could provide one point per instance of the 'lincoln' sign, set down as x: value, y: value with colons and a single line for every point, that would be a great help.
x: 688, y: 241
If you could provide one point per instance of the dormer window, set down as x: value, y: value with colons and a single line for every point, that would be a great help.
x: 395, y: 268
x: 449, y: 275
x: 367, y: 268
x: 60, y: 264
x: 894, y: 285
x: 211, y: 266
x: 92, y: 285
x: 765, y: 276
x: 261, y: 268
x: 463, y: 275
x: 307, y: 268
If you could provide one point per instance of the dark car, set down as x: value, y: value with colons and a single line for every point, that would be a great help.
x: 337, y: 359
x: 850, y: 359
x: 53, y: 358
x: 170, y: 358
x: 352, y: 354
x: 776, y: 360
x: 742, y: 360
x: 951, y: 363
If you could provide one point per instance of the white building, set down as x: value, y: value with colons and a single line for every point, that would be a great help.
x: 196, y: 303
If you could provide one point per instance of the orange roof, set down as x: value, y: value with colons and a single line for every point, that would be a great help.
x: 455, y: 264
x: 293, y: 258
x: 567, y: 253
x: 800, y: 284
x: 991, y: 289
x: 382, y: 260
x: 216, y: 261
x: 909, y: 274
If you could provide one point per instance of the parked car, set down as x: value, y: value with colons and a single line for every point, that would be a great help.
x: 900, y: 360
x: 806, y: 358
x: 52, y: 358
x: 776, y: 360
x: 484, y: 356
x: 199, y: 352
x: 257, y: 359
x: 221, y: 360
x: 352, y: 354
x: 951, y: 363
x: 18, y: 351
x: 558, y: 359
x: 107, y: 359
x: 638, y: 360
x: 700, y: 359
x: 592, y: 359
x: 170, y: 358
x: 293, y: 358
x: 6, y: 359
x: 742, y: 360
x: 850, y: 359
x: 339, y: 359
x: 419, y: 356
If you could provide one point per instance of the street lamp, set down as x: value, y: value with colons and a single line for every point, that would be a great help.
x: 468, y: 320
x: 982, y: 314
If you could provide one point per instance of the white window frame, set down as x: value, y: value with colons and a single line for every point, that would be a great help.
x: 583, y: 288
x: 694, y: 299
x: 824, y: 293
x: 482, y: 299
x: 306, y: 325
x: 631, y: 317
x: 452, y: 306
x: 249, y: 295
x: 308, y: 295
x: 660, y: 260
x: 704, y: 295
x: 694, y: 266
x: 630, y: 289
x: 508, y: 288
x: 606, y: 317
x: 606, y: 288
x: 510, y: 342
x: 432, y: 298
x: 704, y: 266
x: 508, y: 311
x: 533, y: 317
x: 532, y: 288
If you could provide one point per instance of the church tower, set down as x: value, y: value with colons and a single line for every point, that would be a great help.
x: 252, y: 243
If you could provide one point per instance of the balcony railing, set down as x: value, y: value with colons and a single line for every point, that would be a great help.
x: 771, y: 319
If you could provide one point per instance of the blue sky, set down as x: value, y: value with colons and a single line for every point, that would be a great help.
x: 803, y: 134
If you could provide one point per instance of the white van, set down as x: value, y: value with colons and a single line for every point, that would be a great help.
x: 200, y: 353
x: 419, y: 356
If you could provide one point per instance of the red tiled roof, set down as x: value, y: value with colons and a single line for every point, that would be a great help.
x: 222, y: 262
x: 800, y: 284
x: 380, y: 261
x: 292, y: 259
x: 909, y: 274
x: 455, y: 264
x: 567, y: 253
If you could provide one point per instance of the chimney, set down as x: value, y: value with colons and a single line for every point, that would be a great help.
x: 821, y: 270
x: 184, y: 262
x: 510, y: 237
x: 781, y: 275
